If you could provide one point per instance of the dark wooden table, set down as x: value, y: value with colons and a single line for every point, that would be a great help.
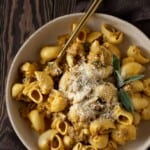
x: 18, y: 20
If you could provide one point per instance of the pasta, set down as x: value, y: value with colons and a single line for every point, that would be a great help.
x: 139, y: 101
x: 136, y: 118
x: 70, y: 60
x: 122, y: 116
x: 56, y: 143
x: 146, y: 83
x: 45, y: 82
x: 37, y: 120
x: 146, y: 113
x: 112, y: 34
x: 127, y: 60
x: 107, y: 92
x: 60, y: 125
x: 17, y: 90
x: 44, y: 141
x: 136, y: 53
x: 111, y: 145
x: 135, y: 86
x: 91, y: 37
x: 78, y: 146
x: 89, y: 147
x: 68, y: 141
x: 131, y: 69
x: 28, y: 69
x: 101, y: 126
x: 99, y: 141
x: 57, y: 100
x: 114, y: 49
x: 82, y: 36
x: 49, y: 53
x: 79, y: 106
x: 35, y: 95
x: 124, y: 133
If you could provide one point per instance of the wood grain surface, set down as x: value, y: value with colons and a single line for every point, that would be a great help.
x: 18, y: 20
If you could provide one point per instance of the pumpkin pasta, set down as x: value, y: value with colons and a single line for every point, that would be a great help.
x: 80, y: 109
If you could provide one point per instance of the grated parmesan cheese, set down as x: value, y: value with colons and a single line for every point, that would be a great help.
x: 83, y: 79
x: 80, y: 88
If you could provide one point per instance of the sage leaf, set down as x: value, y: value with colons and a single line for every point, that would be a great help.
x: 116, y: 63
x: 133, y: 78
x: 119, y: 79
x: 125, y: 100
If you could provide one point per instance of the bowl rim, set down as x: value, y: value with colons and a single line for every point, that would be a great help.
x: 8, y: 78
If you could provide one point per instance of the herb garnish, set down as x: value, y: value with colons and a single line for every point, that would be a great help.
x: 116, y: 63
x: 123, y: 95
x: 125, y: 100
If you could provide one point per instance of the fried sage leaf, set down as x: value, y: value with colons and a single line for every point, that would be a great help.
x: 116, y: 63
x: 125, y: 100
x: 119, y: 79
x: 133, y: 78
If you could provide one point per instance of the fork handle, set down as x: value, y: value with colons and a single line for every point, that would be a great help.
x: 82, y: 22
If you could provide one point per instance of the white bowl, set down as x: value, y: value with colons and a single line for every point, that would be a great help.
x: 48, y: 34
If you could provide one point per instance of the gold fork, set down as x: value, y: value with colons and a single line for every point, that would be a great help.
x: 55, y: 64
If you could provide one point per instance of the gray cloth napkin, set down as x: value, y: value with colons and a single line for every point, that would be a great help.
x: 136, y: 12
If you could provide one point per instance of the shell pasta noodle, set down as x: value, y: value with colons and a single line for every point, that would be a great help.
x: 80, y: 109
x: 122, y: 116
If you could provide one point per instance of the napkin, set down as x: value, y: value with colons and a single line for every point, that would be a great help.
x: 136, y: 12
